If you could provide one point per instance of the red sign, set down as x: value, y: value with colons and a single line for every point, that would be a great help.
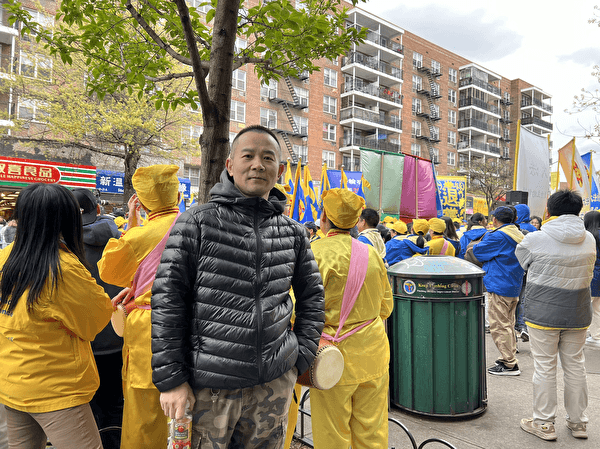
x: 23, y: 171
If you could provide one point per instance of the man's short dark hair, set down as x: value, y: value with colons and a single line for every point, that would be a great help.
x: 370, y: 216
x: 564, y: 202
x: 257, y: 129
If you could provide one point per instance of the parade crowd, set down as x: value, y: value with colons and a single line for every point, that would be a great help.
x: 226, y: 304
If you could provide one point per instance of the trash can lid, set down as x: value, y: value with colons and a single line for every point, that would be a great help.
x: 433, y: 266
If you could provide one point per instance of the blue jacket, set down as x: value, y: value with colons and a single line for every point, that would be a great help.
x: 523, y: 218
x: 468, y: 237
x: 503, y: 273
x: 596, y: 280
x: 400, y: 249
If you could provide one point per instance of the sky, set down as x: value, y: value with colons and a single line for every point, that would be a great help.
x: 548, y: 44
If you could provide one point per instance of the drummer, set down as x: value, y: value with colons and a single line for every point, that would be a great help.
x: 355, y: 411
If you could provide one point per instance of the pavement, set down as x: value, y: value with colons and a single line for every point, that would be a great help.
x: 509, y: 400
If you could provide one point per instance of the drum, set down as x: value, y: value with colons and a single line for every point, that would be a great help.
x: 327, y: 368
x: 118, y: 320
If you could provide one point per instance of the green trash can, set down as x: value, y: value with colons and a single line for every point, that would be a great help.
x: 437, y: 337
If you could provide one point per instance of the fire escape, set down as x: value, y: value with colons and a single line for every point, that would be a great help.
x: 432, y: 94
x: 295, y: 103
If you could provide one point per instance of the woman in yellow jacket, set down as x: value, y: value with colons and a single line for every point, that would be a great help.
x: 50, y: 310
x: 157, y: 190
x: 438, y: 244
x: 354, y: 412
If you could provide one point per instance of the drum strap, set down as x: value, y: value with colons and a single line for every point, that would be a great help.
x: 359, y: 262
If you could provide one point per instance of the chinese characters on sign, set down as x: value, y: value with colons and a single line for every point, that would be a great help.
x: 452, y: 193
x: 114, y: 182
x: 18, y: 171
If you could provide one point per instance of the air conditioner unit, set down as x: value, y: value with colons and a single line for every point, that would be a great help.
x: 334, y: 117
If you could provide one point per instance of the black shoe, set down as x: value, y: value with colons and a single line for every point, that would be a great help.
x: 524, y: 336
x: 500, y: 369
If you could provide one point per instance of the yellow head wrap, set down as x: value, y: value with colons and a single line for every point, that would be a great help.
x: 120, y: 221
x: 437, y: 225
x: 420, y: 225
x: 457, y: 220
x: 157, y: 186
x: 389, y: 219
x: 400, y: 227
x: 343, y: 207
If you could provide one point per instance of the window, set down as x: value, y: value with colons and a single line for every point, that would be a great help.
x: 506, y: 134
x: 452, y: 138
x: 417, y: 60
x: 269, y: 90
x: 330, y: 77
x: 238, y: 111
x: 302, y: 124
x: 39, y: 17
x: 436, y: 156
x: 191, y: 133
x: 302, y: 95
x: 452, y: 116
x: 507, y: 97
x: 435, y: 133
x: 268, y: 118
x: 436, y: 67
x: 329, y: 104
x: 415, y: 149
x: 32, y: 110
x: 507, y: 116
x: 452, y: 74
x: 416, y: 106
x: 193, y: 174
x: 329, y: 158
x: 451, y: 159
x: 238, y: 80
x: 34, y: 66
x: 415, y: 129
x: 417, y: 83
x: 240, y: 44
x: 452, y: 96
x: 301, y: 151
x: 436, y: 89
x: 329, y: 131
x: 435, y: 110
x: 506, y: 152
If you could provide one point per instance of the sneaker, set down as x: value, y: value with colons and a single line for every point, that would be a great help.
x: 543, y: 431
x: 592, y: 342
x: 500, y: 369
x: 524, y: 336
x: 578, y: 430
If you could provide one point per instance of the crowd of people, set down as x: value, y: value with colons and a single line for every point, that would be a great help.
x: 226, y: 304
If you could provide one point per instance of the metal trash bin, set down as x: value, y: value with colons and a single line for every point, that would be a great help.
x: 437, y: 337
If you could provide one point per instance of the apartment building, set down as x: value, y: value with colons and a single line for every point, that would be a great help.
x: 394, y: 92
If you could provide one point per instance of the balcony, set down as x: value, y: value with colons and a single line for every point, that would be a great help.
x: 369, y: 142
x: 302, y: 104
x: 479, y: 124
x: 536, y: 122
x: 391, y: 121
x: 429, y: 71
x: 359, y: 85
x: 376, y: 38
x: 482, y: 146
x: 372, y: 62
x: 272, y: 125
x: 527, y: 101
x: 481, y: 84
x: 433, y: 93
x: 431, y: 115
x: 472, y: 101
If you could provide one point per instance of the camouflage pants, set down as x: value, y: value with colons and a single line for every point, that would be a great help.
x: 248, y: 418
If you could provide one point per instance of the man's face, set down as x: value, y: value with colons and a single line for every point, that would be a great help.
x: 361, y: 225
x: 255, y: 164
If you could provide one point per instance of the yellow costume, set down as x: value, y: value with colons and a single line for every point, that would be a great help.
x: 354, y: 412
x: 435, y: 246
x: 47, y: 360
x: 144, y: 422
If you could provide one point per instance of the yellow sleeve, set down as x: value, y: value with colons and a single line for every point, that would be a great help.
x: 118, y: 263
x: 78, y: 304
x: 387, y: 302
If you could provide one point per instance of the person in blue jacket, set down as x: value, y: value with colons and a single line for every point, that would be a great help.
x: 475, y: 230
x: 591, y: 221
x: 523, y: 219
x: 503, y: 280
x: 402, y: 246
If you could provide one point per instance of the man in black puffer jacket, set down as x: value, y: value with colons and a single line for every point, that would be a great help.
x: 221, y: 305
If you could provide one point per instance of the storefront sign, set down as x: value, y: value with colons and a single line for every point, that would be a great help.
x: 22, y: 172
x: 114, y: 182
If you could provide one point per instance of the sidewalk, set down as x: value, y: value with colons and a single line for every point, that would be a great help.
x: 509, y: 400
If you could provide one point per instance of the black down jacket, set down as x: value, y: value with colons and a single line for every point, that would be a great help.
x: 221, y: 304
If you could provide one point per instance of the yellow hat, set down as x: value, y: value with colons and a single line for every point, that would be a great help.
x: 400, y: 227
x: 420, y: 225
x: 437, y: 225
x: 389, y: 219
x: 120, y: 221
x: 343, y: 207
x: 457, y: 220
x: 157, y: 186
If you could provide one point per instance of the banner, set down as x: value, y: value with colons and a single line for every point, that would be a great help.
x: 595, y: 193
x: 480, y: 205
x: 532, y: 169
x: 114, y: 182
x: 575, y: 170
x: 452, y: 191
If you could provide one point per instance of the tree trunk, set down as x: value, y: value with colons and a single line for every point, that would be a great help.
x: 132, y: 157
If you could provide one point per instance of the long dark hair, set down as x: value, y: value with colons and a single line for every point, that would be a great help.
x: 476, y: 220
x: 48, y: 215
x: 450, y: 231
x: 591, y: 221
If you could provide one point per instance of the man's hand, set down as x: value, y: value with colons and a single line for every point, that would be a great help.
x: 124, y: 296
x: 173, y: 402
x: 134, y: 206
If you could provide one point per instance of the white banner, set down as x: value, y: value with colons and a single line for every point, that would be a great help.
x: 533, y: 169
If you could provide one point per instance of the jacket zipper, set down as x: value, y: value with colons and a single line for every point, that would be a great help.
x: 257, y: 289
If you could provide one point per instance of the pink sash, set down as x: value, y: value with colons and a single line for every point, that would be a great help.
x: 359, y: 262
x: 444, y: 248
